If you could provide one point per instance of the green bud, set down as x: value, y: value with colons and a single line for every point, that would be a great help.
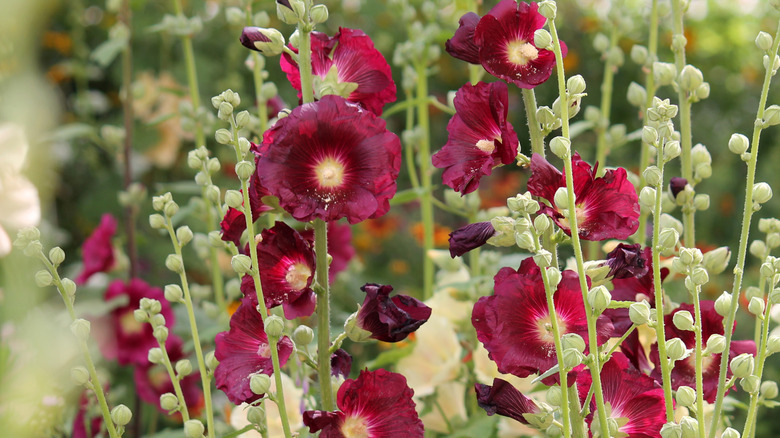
x: 675, y: 349
x: 160, y: 332
x: 576, y: 84
x: 690, y: 256
x: 174, y: 263
x: 542, y: 38
x: 561, y: 199
x: 764, y: 41
x: 769, y: 389
x: 542, y: 223
x: 639, y: 313
x: 234, y: 199
x: 319, y: 14
x: 758, y: 249
x: 225, y: 111
x: 601, y: 43
x: 243, y: 119
x: 274, y: 326
x: 157, y: 320
x: 572, y: 358
x: 561, y: 147
x: 525, y: 240
x: 702, y: 200
x: 723, y: 304
x: 193, y: 161
x: 715, y: 344
x: 690, y: 427
x: 543, y: 258
x: 259, y: 383
x: 702, y: 91
x: 686, y: 396
x: 639, y: 54
x: 155, y: 355
x: 762, y: 192
x: 156, y: 221
x: 772, y: 116
x: 255, y: 415
x: 554, y: 395
x: 56, y: 256
x: 774, y: 296
x: 80, y: 328
x: 121, y: 415
x: 652, y: 176
x: 241, y: 264
x: 647, y: 198
x: 671, y: 430
x: 184, y: 235
x: 141, y: 315
x: 750, y: 384
x: 683, y: 320
x: 168, y: 401
x: 664, y: 73
x: 183, y: 368
x: 553, y: 276
x: 738, y: 144
x: 245, y: 169
x: 773, y: 344
x: 33, y: 248
x: 268, y: 41
x: 699, y: 276
x: 211, y: 361
x: 231, y: 97
x: 756, y: 306
x: 572, y: 341
x: 213, y: 166
x: 599, y: 298
x: 79, y: 375
x: 223, y: 136
x: 548, y: 9
x: 668, y: 238
x: 729, y: 433
x: 742, y: 365
x: 671, y: 150
x: 545, y: 116
x: 355, y: 332
x: 193, y: 429
x: 171, y: 208
x: 303, y: 335
x: 773, y: 240
x: 173, y: 293
x: 43, y: 278
x: 690, y: 78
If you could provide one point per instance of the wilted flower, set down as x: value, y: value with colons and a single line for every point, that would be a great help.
x: 469, y: 237
x: 97, y: 250
x: 504, y: 399
x: 390, y: 319
x: 340, y: 363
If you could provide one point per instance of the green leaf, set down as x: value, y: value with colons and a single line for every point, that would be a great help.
x: 407, y: 195
x: 105, y: 53
x: 390, y: 356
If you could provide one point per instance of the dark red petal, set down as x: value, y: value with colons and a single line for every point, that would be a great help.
x: 358, y: 61
x: 328, y: 422
x: 390, y: 320
x: 340, y: 363
x: 471, y: 236
x: 677, y: 185
x: 627, y: 261
x: 461, y: 45
x: 504, y: 399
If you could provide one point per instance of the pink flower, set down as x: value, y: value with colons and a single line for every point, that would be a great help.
x: 330, y: 159
x: 480, y: 138
x: 378, y: 404
x: 607, y: 207
x: 503, y: 42
x: 131, y: 340
x: 514, y: 324
x: 390, y: 319
x: 97, y: 251
x: 243, y: 351
x: 504, y: 399
x: 286, y: 261
x: 347, y: 65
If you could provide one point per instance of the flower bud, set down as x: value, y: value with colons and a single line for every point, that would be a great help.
x: 601, y: 43
x: 121, y: 415
x: 243, y: 119
x: 560, y: 146
x: 652, y: 176
x: 79, y: 375
x: 168, y: 401
x: 690, y: 256
x: 690, y: 427
x: 599, y: 298
x: 274, y: 326
x: 225, y: 111
x: 750, y: 384
x: 738, y: 144
x: 664, y: 73
x: 702, y: 200
x: 241, y: 264
x: 259, y: 383
x: 319, y: 14
x: 80, y: 328
x: 561, y: 199
x: 56, y: 256
x: 155, y: 355
x: 773, y: 344
x: 686, y: 396
x: 303, y: 335
x: 636, y: 96
x: 683, y: 320
x: 772, y: 115
x: 675, y: 349
x: 542, y: 38
x: 671, y: 430
x: 174, y: 263
x: 756, y: 306
x: 223, y: 136
x: 769, y: 389
x: 268, y: 41
x: 758, y: 249
x: 668, y: 238
x: 542, y: 223
x: 548, y: 9
x: 639, y: 313
x: 543, y: 258
x: 184, y: 235
x: 774, y: 296
x: 354, y: 332
x: 193, y: 429
x: 245, y: 169
x: 156, y: 221
x: 160, y: 333
x: 573, y: 341
x: 554, y: 395
x: 234, y: 199
x: 43, y: 278
x: 742, y: 365
x: 545, y: 116
x: 647, y: 198
x: 762, y: 192
x: 671, y: 150
x: 699, y: 276
x: 690, y: 78
x: 525, y: 240
x: 572, y: 358
x: 211, y: 360
x: 553, y: 276
x: 639, y: 54
x: 255, y: 415
x: 729, y: 433
x: 183, y: 368
x: 576, y: 84
x: 723, y: 304
x: 764, y: 41
x: 69, y: 286
x: 173, y: 293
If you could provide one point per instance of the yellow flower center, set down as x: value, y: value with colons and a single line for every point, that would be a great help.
x: 521, y: 52
x: 330, y: 173
x: 129, y: 325
x: 487, y: 146
x: 545, y: 329
x: 354, y: 427
x: 298, y: 276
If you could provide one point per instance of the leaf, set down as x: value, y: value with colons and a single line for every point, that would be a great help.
x: 105, y: 53
x: 390, y: 356
x: 407, y: 195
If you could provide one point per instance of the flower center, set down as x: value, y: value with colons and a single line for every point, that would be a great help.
x: 487, y: 146
x: 521, y: 52
x: 263, y: 350
x: 354, y: 427
x: 298, y: 275
x: 330, y: 173
x: 129, y: 325
x: 545, y: 329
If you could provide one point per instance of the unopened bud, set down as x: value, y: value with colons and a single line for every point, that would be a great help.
x: 758, y: 249
x: 268, y: 41
x: 769, y: 389
x: 80, y: 328
x: 241, y: 264
x: 664, y: 73
x: 259, y: 383
x: 774, y: 296
x: 156, y: 221
x: 702, y: 200
x: 756, y: 306
x: 576, y: 84
x: 554, y: 395
x: 274, y: 326
x: 690, y: 427
x: 652, y: 176
x: 772, y: 115
x: 303, y: 335
x: 354, y: 332
x: 43, y: 278
x: 173, y: 293
x: 639, y: 313
x: 160, y: 333
x: 155, y: 355
x: 174, y: 263
x: 234, y: 199
x: 683, y: 320
x: 319, y: 14
x: 668, y: 238
x: 750, y: 384
x: 647, y: 198
x: 686, y: 396
x: 729, y: 433
x: 639, y: 54
x: 255, y: 415
x: 560, y: 146
x: 553, y: 277
x: 671, y: 430
x: 56, y: 256
x: 183, y: 367
x: 762, y: 192
x: 573, y: 341
x: 690, y: 78
x: 121, y: 415
x: 184, y: 235
x: 548, y: 9
x: 738, y: 144
x: 193, y: 429
x: 637, y: 96
x: 79, y: 375
x: 764, y: 41
x: 675, y: 349
x: 168, y: 401
x: 561, y: 199
x: 599, y: 298
x: 223, y: 136
x: 542, y: 39
x: 542, y: 223
x: 572, y: 358
x: 742, y: 365
x: 211, y: 360
x: 699, y: 276
x: 245, y: 169
x: 671, y: 150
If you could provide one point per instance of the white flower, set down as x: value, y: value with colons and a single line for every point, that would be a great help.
x: 18, y: 196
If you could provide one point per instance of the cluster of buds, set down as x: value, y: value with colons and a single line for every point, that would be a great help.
x: 761, y: 248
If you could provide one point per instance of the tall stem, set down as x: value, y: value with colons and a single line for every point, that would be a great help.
x: 750, y: 423
x: 698, y: 357
x: 192, y: 78
x: 323, y: 313
x: 426, y: 201
x: 606, y: 105
x: 534, y: 130
x: 747, y: 214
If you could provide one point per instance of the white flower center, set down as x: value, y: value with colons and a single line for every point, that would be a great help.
x: 330, y: 173
x: 298, y: 275
x: 521, y: 52
x: 354, y: 427
x: 487, y: 146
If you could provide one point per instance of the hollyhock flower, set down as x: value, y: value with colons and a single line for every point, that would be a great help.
x: 19, y: 200
x: 607, y: 206
x: 234, y: 222
x: 469, y: 237
x: 504, y: 399
x: 152, y: 380
x: 340, y: 363
x: 243, y: 351
x: 131, y: 340
x: 97, y: 251
x: 636, y: 400
x: 390, y: 319
x: 514, y: 323
x: 330, y: 159
x: 627, y: 261
x: 684, y: 371
x: 378, y: 404
x: 287, y: 265
x: 339, y: 246
x: 503, y: 42
x: 480, y: 138
x: 293, y: 398
x: 677, y: 184
x: 347, y: 65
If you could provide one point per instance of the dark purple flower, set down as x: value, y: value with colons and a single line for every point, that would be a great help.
x: 340, y: 363
x: 504, y: 399
x: 472, y: 236
x: 461, y: 45
x: 677, y: 184
x: 390, y: 319
x: 628, y: 261
x: 97, y: 251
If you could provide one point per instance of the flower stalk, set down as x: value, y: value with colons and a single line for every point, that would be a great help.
x: 192, y: 78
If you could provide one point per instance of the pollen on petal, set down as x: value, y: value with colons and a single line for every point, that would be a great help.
x: 487, y: 146
x: 521, y: 52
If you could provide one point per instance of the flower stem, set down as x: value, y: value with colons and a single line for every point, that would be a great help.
x: 323, y: 313
x: 575, y: 238
x: 698, y: 357
x: 747, y: 214
x: 185, y: 413
x: 257, y: 77
x: 606, y: 105
x: 426, y: 202
x: 192, y: 78
x: 534, y: 130
x: 762, y: 350
x: 409, y: 146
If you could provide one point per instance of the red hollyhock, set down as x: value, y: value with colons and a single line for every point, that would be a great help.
x: 340, y: 363
x: 504, y: 399
x: 480, y: 138
x: 286, y: 261
x: 347, y: 65
x: 244, y: 351
x: 330, y: 159
x: 390, y: 319
x: 471, y: 236
x: 339, y: 246
x: 607, y: 206
x: 131, y: 340
x: 514, y: 323
x: 97, y: 251
x: 152, y: 380
x: 234, y: 222
x: 636, y: 400
x: 503, y: 42
x: 378, y: 404
x: 684, y: 371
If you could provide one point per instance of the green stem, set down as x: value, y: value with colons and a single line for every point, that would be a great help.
x: 747, y: 214
x: 411, y: 168
x: 534, y: 130
x: 617, y: 344
x: 426, y: 202
x: 575, y: 239
x: 323, y: 313
x: 698, y: 357
x: 185, y: 413
x: 562, y: 371
x: 606, y: 105
x: 304, y: 60
x: 257, y: 76
x: 762, y: 350
x: 577, y: 422
x: 192, y: 78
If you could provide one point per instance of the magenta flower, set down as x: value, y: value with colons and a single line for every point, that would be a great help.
x: 607, y: 207
x: 378, y: 404
x: 347, y: 65
x: 472, y: 236
x: 244, y: 351
x: 684, y: 371
x: 636, y: 400
x: 286, y: 261
x: 480, y: 138
x: 152, y: 380
x: 514, y: 324
x: 97, y: 251
x: 504, y: 399
x: 503, y: 42
x: 390, y: 319
x: 131, y: 340
x: 330, y: 159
